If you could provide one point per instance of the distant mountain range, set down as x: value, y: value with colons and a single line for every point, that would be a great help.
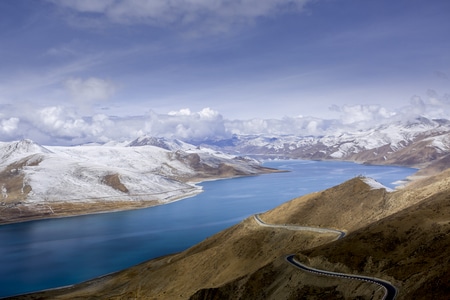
x: 409, y: 143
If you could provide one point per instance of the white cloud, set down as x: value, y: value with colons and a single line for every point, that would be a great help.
x: 209, y: 114
x: 185, y: 124
x: 217, y: 14
x: 287, y: 125
x: 58, y: 121
x: 9, y: 126
x: 60, y: 125
x: 181, y: 112
x: 359, y: 113
x: 91, y: 89
x: 86, y: 5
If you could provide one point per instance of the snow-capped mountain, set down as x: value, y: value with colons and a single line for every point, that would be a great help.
x: 404, y: 143
x: 10, y: 151
x: 32, y: 174
x: 161, y: 142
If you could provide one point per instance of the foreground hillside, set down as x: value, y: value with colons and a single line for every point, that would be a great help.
x: 38, y: 181
x: 398, y: 236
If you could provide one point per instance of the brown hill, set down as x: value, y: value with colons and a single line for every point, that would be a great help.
x: 399, y: 236
x: 418, y: 152
x: 409, y: 248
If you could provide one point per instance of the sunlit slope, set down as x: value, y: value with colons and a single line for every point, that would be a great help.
x: 409, y: 248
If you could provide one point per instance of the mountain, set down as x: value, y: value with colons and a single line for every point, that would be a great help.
x: 161, y: 142
x: 412, y: 143
x: 17, y: 149
x: 399, y: 236
x: 38, y: 181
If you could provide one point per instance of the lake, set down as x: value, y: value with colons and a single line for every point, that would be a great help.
x: 50, y: 253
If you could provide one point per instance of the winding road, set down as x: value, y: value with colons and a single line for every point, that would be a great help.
x: 390, y: 291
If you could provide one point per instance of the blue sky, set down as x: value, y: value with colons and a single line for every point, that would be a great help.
x: 73, y: 70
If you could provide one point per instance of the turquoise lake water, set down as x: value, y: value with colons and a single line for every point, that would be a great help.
x: 57, y: 252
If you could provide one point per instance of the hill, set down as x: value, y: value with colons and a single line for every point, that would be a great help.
x: 38, y: 181
x: 400, y: 236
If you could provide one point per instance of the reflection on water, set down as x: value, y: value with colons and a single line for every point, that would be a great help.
x: 50, y: 253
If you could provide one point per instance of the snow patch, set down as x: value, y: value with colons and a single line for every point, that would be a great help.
x: 375, y: 185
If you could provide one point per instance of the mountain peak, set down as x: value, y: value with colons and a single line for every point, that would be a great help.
x: 167, y: 144
x: 150, y: 141
x: 20, y: 148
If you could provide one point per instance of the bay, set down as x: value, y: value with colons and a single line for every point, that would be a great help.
x: 44, y: 254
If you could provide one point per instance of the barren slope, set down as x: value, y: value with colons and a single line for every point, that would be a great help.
x: 409, y: 247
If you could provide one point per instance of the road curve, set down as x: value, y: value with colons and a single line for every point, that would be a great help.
x: 389, y: 289
x: 297, y: 227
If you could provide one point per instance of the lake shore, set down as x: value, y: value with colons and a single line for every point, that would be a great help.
x: 25, y: 212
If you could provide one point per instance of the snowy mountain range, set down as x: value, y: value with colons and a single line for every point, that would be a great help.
x: 412, y: 143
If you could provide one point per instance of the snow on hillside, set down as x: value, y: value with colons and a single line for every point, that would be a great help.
x: 15, y: 150
x: 69, y: 178
x: 440, y: 142
x: 139, y: 159
x: 375, y: 185
x: 96, y: 172
x: 373, y: 144
x: 172, y: 145
x: 79, y: 173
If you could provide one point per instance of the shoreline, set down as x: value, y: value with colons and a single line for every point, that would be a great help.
x: 92, y: 207
x: 67, y: 209
x: 85, y: 208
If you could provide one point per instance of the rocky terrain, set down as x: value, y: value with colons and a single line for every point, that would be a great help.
x: 400, y: 236
x: 38, y: 181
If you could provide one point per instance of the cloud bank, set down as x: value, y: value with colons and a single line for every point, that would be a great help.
x: 64, y: 125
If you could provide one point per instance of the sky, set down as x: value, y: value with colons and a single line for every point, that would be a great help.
x: 78, y: 71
